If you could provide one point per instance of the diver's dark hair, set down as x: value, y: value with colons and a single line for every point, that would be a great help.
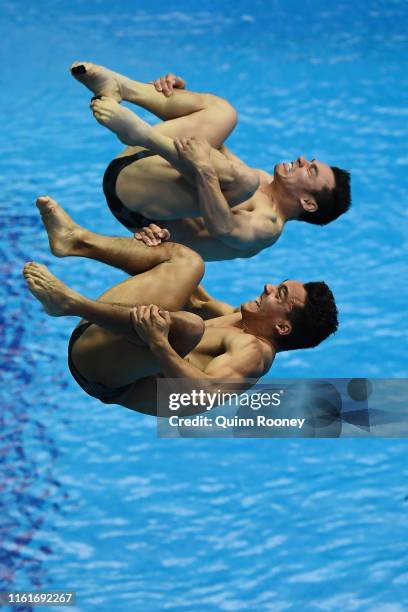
x: 313, y: 322
x: 331, y: 203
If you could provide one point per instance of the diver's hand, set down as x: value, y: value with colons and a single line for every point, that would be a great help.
x: 195, y: 150
x: 167, y: 83
x: 151, y: 323
x: 153, y: 235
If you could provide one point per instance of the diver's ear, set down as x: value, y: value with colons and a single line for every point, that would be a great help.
x: 283, y: 328
x: 308, y: 204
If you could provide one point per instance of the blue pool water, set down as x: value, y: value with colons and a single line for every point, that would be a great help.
x: 91, y: 500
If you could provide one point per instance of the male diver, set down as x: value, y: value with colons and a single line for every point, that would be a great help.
x: 180, y: 174
x: 139, y: 330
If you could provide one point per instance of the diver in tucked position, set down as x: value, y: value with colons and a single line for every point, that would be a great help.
x: 180, y: 174
x: 138, y: 331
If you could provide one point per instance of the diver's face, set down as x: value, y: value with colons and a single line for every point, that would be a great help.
x: 302, y: 177
x: 275, y: 304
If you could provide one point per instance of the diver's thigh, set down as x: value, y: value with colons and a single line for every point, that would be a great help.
x: 112, y: 360
x: 214, y: 123
x: 152, y: 187
x: 168, y: 285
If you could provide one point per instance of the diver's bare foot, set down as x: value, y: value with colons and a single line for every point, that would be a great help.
x: 62, y: 231
x: 100, y: 80
x: 57, y: 299
x: 128, y: 127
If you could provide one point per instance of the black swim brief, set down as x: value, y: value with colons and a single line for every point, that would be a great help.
x: 129, y: 218
x: 105, y: 394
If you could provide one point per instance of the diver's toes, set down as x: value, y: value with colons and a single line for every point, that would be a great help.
x: 80, y: 69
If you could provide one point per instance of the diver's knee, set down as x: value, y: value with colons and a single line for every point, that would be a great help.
x: 243, y: 185
x: 186, y: 331
x: 249, y: 181
x: 196, y: 327
x: 223, y: 106
x: 188, y: 257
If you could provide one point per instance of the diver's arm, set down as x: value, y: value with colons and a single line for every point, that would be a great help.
x: 243, y: 359
x: 244, y: 355
x: 240, y: 229
x: 214, y: 207
x: 240, y: 184
x: 219, y: 218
